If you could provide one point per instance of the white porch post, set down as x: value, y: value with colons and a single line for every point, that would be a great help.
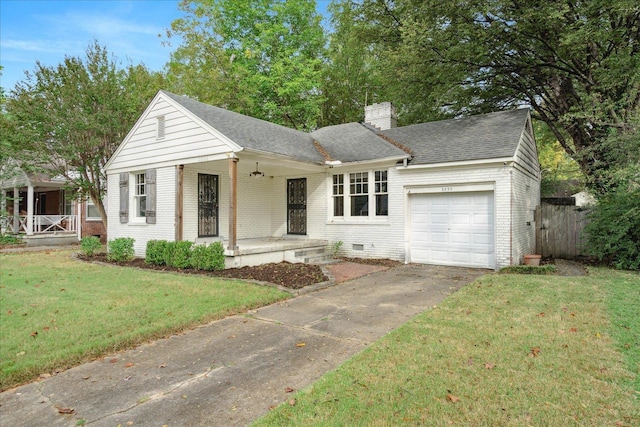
x: 30, y: 210
x: 233, y: 200
x: 3, y: 211
x: 16, y: 210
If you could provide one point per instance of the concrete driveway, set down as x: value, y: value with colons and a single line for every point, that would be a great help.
x: 231, y: 372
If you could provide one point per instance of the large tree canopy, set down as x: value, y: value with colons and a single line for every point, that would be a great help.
x: 262, y: 58
x: 575, y: 63
x: 68, y: 120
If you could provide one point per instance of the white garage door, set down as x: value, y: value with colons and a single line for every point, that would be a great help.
x: 453, y: 229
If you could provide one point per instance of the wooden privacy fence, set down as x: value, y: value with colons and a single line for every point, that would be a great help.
x: 559, y: 231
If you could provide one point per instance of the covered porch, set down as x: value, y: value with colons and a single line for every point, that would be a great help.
x: 262, y: 209
x: 39, y: 210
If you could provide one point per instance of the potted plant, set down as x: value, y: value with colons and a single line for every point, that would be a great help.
x: 532, y: 260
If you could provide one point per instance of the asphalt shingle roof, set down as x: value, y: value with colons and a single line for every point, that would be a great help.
x: 352, y: 142
x: 485, y: 136
x: 252, y: 133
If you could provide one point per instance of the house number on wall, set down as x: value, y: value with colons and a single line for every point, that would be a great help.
x: 447, y: 188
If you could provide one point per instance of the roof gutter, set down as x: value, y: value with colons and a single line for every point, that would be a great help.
x: 497, y: 161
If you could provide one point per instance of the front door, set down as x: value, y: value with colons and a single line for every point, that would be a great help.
x: 297, y: 206
x: 207, y: 205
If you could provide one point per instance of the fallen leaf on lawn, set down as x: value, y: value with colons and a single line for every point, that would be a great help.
x: 128, y: 365
x: 86, y: 377
x: 541, y: 314
x: 289, y: 390
x: 46, y: 328
x: 300, y: 344
x: 62, y: 289
x: 489, y: 365
x: 452, y: 398
x: 9, y: 312
x: 44, y: 376
x: 163, y: 365
x: 128, y: 378
x: 34, y: 333
x: 129, y: 423
x: 565, y: 309
x: 573, y: 330
x: 470, y: 362
x: 65, y: 410
x: 114, y: 360
x: 292, y: 402
x: 231, y: 337
x: 535, y: 352
x: 573, y: 315
x: 598, y: 335
x: 272, y: 407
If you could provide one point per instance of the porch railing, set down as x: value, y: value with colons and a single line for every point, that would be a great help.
x: 42, y: 224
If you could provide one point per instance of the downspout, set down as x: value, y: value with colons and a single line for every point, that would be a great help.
x: 79, y: 218
x: 510, y: 216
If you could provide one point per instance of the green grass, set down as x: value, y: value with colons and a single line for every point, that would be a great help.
x: 512, y: 350
x: 56, y: 312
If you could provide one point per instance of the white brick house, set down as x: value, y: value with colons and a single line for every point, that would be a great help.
x: 455, y: 192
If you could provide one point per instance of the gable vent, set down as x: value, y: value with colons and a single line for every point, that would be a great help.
x: 160, y: 127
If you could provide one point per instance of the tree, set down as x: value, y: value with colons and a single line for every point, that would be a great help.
x: 68, y: 120
x: 576, y: 63
x: 350, y: 77
x: 262, y: 58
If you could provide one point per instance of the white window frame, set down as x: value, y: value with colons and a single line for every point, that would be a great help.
x: 138, y: 196
x: 88, y: 217
x: 375, y: 182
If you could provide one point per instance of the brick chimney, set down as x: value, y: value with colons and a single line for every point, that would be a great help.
x: 382, y: 115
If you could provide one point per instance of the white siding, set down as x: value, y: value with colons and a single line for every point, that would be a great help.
x: 262, y: 203
x: 389, y: 239
x: 185, y: 140
x: 163, y: 229
x: 526, y: 196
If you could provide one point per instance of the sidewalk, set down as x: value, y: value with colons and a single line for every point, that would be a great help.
x: 232, y: 371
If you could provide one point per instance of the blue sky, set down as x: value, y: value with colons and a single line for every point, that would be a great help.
x: 49, y: 30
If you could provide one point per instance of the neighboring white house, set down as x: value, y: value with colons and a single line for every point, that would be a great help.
x: 455, y: 192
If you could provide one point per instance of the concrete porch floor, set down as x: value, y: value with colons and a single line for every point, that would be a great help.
x: 274, y: 244
x: 257, y: 251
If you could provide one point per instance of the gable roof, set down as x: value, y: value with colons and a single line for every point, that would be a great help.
x: 251, y: 133
x: 353, y: 142
x: 485, y: 136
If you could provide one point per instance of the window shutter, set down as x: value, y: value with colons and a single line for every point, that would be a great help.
x: 124, y: 198
x: 150, y: 187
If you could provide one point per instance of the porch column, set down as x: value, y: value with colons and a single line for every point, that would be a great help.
x: 16, y: 210
x: 30, y: 210
x: 4, y: 224
x: 233, y: 200
x: 179, y: 208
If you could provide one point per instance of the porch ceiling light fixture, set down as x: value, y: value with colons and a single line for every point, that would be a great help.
x: 256, y: 173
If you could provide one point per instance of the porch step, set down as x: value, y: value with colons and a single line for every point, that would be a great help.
x: 316, y: 255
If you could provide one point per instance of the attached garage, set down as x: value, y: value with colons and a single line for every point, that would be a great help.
x: 453, y: 229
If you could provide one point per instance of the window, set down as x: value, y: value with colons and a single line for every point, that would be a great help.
x: 92, y: 211
x: 160, y: 127
x: 68, y: 203
x: 359, y: 192
x: 338, y: 195
x: 140, y: 196
x: 381, y: 193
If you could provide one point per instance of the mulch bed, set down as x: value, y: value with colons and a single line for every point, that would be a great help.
x: 288, y: 275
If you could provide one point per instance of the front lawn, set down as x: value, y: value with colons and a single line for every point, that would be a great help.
x: 56, y: 312
x: 506, y: 350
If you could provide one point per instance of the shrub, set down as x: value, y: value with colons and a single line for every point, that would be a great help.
x: 613, y: 231
x: 90, y: 245
x: 209, y: 258
x: 121, y: 249
x: 154, y: 253
x: 178, y: 254
x: 8, y: 239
